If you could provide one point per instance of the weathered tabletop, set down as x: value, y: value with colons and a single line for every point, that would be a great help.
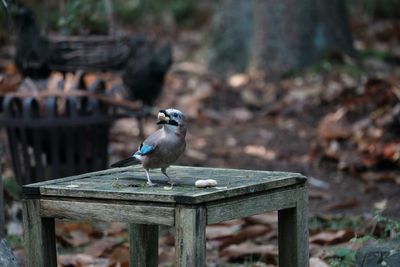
x: 129, y: 183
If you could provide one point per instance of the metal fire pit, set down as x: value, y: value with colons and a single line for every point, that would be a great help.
x: 56, y: 136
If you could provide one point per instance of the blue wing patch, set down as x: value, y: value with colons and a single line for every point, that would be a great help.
x: 145, y: 149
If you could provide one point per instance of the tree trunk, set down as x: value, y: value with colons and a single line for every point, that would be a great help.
x: 282, y: 36
x: 290, y: 34
x: 230, y: 37
x: 277, y: 36
x: 333, y: 27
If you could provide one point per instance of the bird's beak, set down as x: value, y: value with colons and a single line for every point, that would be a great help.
x: 163, y: 117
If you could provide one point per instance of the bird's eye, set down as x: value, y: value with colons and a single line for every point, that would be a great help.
x: 174, y: 115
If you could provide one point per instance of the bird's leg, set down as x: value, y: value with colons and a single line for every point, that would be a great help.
x: 149, y: 182
x: 164, y: 171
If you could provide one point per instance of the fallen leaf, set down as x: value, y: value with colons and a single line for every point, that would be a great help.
x: 330, y: 238
x: 318, y: 194
x: 81, y: 260
x: 221, y: 231
x: 72, y: 226
x: 246, y: 233
x: 381, y: 205
x: 116, y: 228
x: 240, y: 114
x: 190, y: 67
x: 190, y: 105
x: 251, y: 99
x: 317, y: 251
x: 238, y: 80
x: 342, y: 204
x: 333, y: 126
x: 248, y: 248
x: 393, y: 177
x: 119, y: 257
x: 101, y: 247
x: 352, y: 160
x: 167, y: 240
x: 260, y: 151
x: 316, y: 262
x: 167, y: 256
x: 268, y: 219
x: 195, y: 154
x: 304, y: 93
x: 76, y: 238
x: 391, y: 151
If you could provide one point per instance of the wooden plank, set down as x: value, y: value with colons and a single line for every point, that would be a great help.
x: 190, y: 239
x: 143, y: 239
x: 232, y: 183
x: 39, y: 236
x: 77, y: 177
x: 293, y: 233
x: 95, y: 210
x: 183, y: 173
x: 187, y: 194
x: 250, y: 205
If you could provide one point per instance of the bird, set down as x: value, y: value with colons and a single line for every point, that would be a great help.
x: 145, y: 71
x: 33, y: 50
x: 163, y: 147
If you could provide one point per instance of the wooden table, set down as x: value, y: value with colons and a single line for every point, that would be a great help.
x: 100, y: 196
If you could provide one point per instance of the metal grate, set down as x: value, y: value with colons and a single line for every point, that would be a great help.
x: 55, y: 136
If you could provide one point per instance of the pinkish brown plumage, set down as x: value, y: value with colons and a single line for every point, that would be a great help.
x: 163, y: 147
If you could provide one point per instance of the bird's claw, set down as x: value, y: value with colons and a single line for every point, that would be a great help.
x: 151, y: 184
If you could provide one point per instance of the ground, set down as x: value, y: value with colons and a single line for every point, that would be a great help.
x: 225, y: 132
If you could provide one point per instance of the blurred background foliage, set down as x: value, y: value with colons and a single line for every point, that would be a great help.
x: 91, y: 13
x: 91, y: 17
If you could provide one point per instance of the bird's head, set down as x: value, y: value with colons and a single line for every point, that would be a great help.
x: 172, y: 119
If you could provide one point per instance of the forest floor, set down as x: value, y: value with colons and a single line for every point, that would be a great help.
x: 336, y: 122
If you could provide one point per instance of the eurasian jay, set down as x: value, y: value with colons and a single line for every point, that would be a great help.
x: 163, y: 147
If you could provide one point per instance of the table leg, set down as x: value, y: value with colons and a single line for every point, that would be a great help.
x: 293, y: 233
x: 39, y: 236
x: 143, y: 240
x: 190, y: 240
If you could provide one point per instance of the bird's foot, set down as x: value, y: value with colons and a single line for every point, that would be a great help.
x: 151, y: 184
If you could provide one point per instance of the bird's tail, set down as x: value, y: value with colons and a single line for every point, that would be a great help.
x: 126, y: 162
